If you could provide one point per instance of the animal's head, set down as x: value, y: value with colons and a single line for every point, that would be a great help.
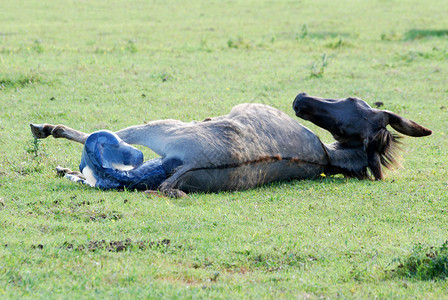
x: 353, y: 123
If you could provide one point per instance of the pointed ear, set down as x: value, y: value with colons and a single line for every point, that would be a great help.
x: 405, y: 126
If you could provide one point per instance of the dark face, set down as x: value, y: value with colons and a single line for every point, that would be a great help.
x: 351, y: 121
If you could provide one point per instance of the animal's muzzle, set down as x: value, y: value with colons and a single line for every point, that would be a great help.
x: 296, y: 105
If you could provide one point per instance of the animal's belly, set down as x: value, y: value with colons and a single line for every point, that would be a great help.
x: 247, y: 175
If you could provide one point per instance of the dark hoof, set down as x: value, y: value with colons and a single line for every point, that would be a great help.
x: 39, y: 132
x: 174, y: 193
x: 171, y: 193
x: 60, y: 171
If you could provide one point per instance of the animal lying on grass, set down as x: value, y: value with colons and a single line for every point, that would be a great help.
x: 253, y: 145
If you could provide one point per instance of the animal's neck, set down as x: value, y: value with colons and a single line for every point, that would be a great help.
x: 348, y: 161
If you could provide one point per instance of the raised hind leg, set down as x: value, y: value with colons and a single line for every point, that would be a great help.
x: 153, y: 135
x: 42, y: 131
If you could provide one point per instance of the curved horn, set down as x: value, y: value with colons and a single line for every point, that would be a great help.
x: 405, y: 126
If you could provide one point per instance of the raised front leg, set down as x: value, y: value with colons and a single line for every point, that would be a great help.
x: 153, y: 135
x: 42, y: 131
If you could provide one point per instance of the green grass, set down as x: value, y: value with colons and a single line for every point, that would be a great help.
x: 110, y: 64
x: 425, y: 263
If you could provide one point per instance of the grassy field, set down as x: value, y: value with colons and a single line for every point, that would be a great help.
x: 109, y: 64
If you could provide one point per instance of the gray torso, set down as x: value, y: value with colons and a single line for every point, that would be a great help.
x: 254, y: 144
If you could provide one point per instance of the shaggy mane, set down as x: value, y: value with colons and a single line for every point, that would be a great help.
x: 356, y: 162
x: 388, y: 147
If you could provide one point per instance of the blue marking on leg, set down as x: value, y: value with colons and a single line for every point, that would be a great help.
x: 171, y: 164
x: 115, y: 164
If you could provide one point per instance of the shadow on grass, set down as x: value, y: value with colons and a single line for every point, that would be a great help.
x: 415, y: 34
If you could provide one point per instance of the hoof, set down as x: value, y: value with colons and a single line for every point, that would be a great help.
x: 39, y: 132
x: 60, y: 171
x: 174, y: 193
x: 63, y: 172
x: 171, y: 193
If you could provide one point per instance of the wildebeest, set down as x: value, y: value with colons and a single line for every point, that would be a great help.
x: 254, y: 144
